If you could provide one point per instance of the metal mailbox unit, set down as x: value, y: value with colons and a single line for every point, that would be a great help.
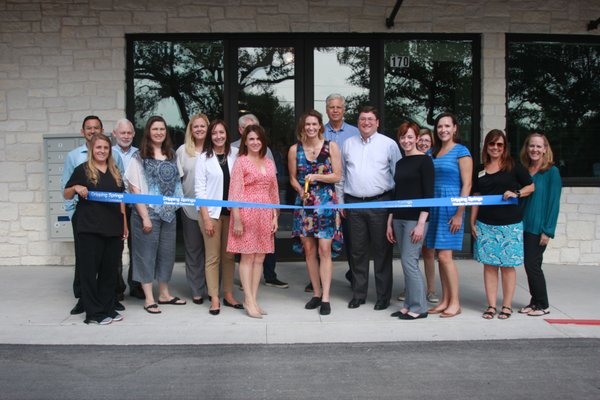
x: 56, y: 148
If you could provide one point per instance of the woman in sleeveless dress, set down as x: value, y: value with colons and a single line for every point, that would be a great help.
x: 315, y: 167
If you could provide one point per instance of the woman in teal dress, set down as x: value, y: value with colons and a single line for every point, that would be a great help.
x: 315, y: 167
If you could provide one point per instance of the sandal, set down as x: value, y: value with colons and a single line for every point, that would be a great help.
x: 488, y: 314
x: 538, y: 312
x: 527, y: 309
x: 152, y: 309
x: 505, y: 315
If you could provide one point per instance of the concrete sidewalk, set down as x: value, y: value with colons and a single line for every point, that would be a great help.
x: 36, y: 303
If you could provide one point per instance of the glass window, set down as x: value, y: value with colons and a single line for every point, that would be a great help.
x: 176, y: 79
x: 554, y: 87
x: 423, y: 78
x: 343, y: 70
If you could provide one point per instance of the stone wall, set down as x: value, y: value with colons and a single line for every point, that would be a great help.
x: 62, y: 60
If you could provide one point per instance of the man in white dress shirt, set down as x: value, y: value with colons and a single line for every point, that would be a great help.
x: 369, y: 163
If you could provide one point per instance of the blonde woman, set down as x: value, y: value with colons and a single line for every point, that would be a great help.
x: 101, y: 227
x: 540, y: 215
x: 187, y: 154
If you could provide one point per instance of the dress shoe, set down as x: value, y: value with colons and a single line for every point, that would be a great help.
x: 355, y: 303
x: 78, y: 309
x: 408, y: 317
x: 325, y: 308
x: 237, y: 306
x: 381, y: 305
x: 119, y: 306
x: 313, y: 303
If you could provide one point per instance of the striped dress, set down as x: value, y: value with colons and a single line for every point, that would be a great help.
x: 447, y: 184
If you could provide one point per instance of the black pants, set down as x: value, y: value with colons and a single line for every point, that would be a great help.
x: 367, y: 229
x: 76, y: 282
x: 534, y: 257
x: 97, y: 274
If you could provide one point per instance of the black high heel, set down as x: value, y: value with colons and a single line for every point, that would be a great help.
x: 215, y: 312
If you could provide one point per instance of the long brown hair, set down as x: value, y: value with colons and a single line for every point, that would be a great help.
x: 436, y: 146
x: 91, y: 172
x: 146, y: 149
x: 262, y: 136
x: 208, y: 144
x: 506, y: 160
x: 302, y: 121
x: 548, y: 158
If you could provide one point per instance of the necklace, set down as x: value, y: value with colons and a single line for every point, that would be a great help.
x: 222, y: 159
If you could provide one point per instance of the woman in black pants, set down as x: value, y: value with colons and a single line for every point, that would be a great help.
x: 100, y: 229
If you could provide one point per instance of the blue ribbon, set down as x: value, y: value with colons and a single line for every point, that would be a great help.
x: 129, y: 198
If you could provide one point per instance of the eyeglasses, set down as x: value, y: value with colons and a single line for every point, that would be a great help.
x: 367, y: 119
x: 500, y: 145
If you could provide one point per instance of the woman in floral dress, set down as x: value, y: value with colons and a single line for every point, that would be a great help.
x: 315, y: 167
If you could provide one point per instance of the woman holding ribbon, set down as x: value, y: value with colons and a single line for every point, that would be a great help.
x: 453, y: 174
x: 252, y: 230
x: 101, y: 227
x: 213, y: 177
x: 540, y: 215
x: 153, y: 170
x: 413, y: 179
x: 498, y: 229
x: 315, y: 167
x: 187, y: 153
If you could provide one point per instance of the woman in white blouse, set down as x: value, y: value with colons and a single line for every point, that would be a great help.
x: 213, y: 172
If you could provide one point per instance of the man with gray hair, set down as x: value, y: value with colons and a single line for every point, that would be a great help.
x: 123, y: 132
x: 270, y: 258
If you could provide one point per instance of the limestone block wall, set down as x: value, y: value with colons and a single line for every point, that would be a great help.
x: 62, y: 60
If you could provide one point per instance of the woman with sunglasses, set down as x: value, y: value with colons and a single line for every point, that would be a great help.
x: 498, y: 230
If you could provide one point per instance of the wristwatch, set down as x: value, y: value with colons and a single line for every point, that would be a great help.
x: 518, y: 193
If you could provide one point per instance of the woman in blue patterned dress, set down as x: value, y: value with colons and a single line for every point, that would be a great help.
x: 315, y: 167
x: 453, y: 170
x: 153, y: 170
x: 498, y: 230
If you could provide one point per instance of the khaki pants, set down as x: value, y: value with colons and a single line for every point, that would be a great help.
x: 215, y: 248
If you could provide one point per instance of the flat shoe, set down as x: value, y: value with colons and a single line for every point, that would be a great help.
x: 435, y: 311
x: 198, y: 301
x: 237, y: 306
x: 152, y: 309
x: 325, y: 308
x: 313, y: 303
x: 396, y: 314
x: 408, y: 317
x: 176, y: 301
x: 450, y: 315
